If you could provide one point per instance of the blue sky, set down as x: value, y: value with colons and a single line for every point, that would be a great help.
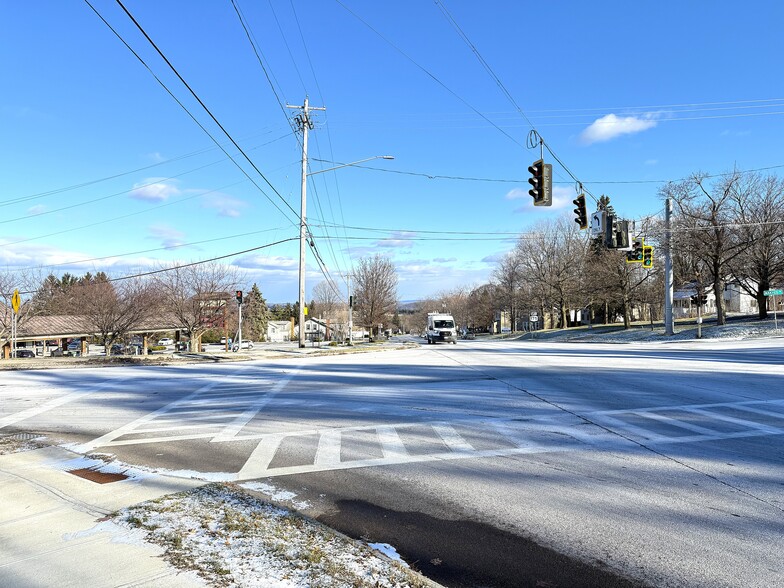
x: 626, y: 94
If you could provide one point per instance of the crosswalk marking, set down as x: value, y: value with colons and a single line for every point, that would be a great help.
x: 452, y: 438
x: 391, y: 444
x: 225, y: 411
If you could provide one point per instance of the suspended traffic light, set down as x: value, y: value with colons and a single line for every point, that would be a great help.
x: 635, y: 255
x: 581, y: 216
x: 647, y: 256
x: 238, y: 295
x: 541, y: 181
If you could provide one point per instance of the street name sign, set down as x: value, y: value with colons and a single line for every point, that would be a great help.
x: 777, y: 292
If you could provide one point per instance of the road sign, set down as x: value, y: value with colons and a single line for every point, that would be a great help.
x: 777, y: 292
x: 533, y: 317
x: 15, y: 300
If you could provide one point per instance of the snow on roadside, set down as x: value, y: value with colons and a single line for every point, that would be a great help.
x: 748, y: 329
x: 234, y: 539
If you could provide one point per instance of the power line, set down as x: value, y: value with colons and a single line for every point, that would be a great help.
x: 431, y: 176
x: 177, y: 202
x: 192, y: 264
x: 202, y: 127
x: 427, y: 72
x: 127, y: 254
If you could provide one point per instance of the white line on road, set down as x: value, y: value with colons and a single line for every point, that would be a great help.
x: 232, y: 429
x: 55, y: 402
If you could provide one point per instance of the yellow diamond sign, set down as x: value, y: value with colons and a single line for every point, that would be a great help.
x: 15, y: 300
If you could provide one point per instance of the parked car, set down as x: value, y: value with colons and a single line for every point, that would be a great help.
x: 75, y: 346
x: 118, y: 349
x: 245, y: 345
x: 25, y: 353
x: 166, y: 341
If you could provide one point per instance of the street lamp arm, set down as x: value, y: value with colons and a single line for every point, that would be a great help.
x: 321, y: 171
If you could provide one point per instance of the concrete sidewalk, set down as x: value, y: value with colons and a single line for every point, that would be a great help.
x: 54, y: 530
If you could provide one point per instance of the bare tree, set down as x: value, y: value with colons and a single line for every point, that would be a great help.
x: 705, y: 229
x: 551, y: 259
x: 195, y: 296
x: 759, y: 202
x: 327, y: 299
x: 506, y: 277
x: 375, y: 290
x: 27, y: 283
x: 113, y: 308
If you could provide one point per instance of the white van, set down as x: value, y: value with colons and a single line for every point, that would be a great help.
x: 441, y: 327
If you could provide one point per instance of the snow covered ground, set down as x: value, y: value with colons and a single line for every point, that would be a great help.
x: 232, y: 538
x: 641, y: 333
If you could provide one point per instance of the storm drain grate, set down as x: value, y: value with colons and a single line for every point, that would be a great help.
x: 97, y: 476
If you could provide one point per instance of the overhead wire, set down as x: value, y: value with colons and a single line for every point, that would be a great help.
x: 318, y: 147
x: 191, y: 264
x: 269, y: 76
x: 198, y: 123
x: 124, y: 216
x: 153, y: 250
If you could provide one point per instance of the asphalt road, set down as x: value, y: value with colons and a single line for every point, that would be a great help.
x: 483, y: 463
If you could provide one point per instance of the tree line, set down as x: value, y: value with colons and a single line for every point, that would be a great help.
x: 724, y: 229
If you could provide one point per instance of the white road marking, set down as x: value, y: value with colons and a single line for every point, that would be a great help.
x: 391, y: 444
x: 452, y: 438
x: 231, y: 430
x: 55, y: 402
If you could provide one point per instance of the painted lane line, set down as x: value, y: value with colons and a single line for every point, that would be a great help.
x: 256, y: 465
x: 328, y: 450
x: 56, y: 402
x: 391, y: 444
x: 157, y: 439
x: 231, y: 430
x: 129, y: 428
x: 621, y: 426
x: 452, y: 438
x: 742, y: 422
x: 675, y: 422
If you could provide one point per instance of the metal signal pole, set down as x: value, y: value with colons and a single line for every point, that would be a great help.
x: 669, y: 329
x: 305, y: 124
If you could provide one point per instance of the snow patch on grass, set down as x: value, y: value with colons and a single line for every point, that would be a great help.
x: 234, y: 539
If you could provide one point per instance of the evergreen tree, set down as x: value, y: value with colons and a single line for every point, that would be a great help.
x: 257, y: 315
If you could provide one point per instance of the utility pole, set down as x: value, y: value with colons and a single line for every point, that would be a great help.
x: 669, y: 329
x: 305, y: 124
x: 351, y: 313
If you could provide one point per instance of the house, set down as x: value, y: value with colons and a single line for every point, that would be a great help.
x: 279, y: 331
x: 735, y: 298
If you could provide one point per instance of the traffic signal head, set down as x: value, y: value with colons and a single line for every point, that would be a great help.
x: 647, y: 256
x: 635, y: 255
x: 238, y: 295
x: 581, y: 216
x: 541, y: 181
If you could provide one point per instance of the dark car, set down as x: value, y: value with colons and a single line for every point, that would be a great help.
x: 25, y: 353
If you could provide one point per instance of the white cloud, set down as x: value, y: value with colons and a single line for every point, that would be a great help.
x: 169, y: 237
x: 225, y: 205
x: 268, y: 263
x: 516, y: 194
x: 397, y: 239
x: 154, y: 190
x: 562, y: 198
x: 37, y: 209
x: 651, y: 162
x: 611, y: 126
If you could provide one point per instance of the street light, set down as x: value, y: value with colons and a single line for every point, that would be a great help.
x: 303, y: 231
